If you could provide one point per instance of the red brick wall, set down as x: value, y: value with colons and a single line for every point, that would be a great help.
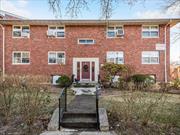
x: 39, y: 44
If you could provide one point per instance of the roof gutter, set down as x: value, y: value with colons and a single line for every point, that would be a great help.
x: 3, y: 49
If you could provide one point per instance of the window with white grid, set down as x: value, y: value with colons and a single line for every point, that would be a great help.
x: 21, y: 57
x: 151, y: 31
x: 150, y: 57
x: 21, y: 31
x: 56, y: 57
x: 115, y: 57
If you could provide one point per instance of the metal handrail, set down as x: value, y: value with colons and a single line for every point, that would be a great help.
x: 97, y: 106
x: 62, y: 108
x: 63, y: 96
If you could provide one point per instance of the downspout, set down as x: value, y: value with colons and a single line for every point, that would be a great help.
x: 3, y: 49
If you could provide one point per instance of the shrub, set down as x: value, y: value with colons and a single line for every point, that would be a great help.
x: 176, y: 83
x: 8, y: 88
x: 64, y: 81
x: 23, y: 99
x: 33, y: 100
x: 164, y: 86
x: 111, y: 70
x: 142, y: 81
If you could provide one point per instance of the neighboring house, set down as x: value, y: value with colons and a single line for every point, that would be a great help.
x: 81, y: 47
x: 174, y: 72
x: 175, y: 69
x: 9, y: 16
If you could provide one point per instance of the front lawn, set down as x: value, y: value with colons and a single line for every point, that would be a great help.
x: 26, y: 108
x: 142, y: 112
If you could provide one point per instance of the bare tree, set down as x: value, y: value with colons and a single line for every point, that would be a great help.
x: 74, y: 7
x: 172, y: 3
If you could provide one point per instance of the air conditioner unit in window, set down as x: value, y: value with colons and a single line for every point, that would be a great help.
x: 60, y: 61
x: 51, y: 33
x: 119, y: 33
x: 25, y: 34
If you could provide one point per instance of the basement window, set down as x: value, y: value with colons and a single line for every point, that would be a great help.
x: 86, y: 41
x: 21, y: 57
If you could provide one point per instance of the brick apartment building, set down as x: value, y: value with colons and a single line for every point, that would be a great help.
x: 81, y: 47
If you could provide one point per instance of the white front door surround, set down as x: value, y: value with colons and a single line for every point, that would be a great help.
x: 91, y: 60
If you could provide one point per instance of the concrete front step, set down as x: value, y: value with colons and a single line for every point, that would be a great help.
x: 80, y: 125
x: 77, y: 133
x: 79, y: 120
x: 76, y: 114
x: 103, y: 120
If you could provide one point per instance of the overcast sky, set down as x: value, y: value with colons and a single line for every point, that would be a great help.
x: 39, y: 9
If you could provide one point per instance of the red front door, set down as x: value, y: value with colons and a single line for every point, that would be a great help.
x: 86, y: 70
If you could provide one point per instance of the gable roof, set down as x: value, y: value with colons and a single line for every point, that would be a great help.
x: 9, y: 16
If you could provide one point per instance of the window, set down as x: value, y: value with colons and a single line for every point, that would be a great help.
x: 21, y: 57
x: 115, y: 57
x: 115, y: 31
x: 150, y: 57
x: 150, y: 31
x: 21, y: 31
x: 56, y: 57
x: 86, y: 41
x: 56, y: 31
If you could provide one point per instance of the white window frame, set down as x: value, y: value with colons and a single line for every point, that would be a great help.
x: 21, y: 31
x: 142, y: 30
x: 21, y: 57
x: 150, y: 63
x: 58, y: 30
x: 114, y: 30
x: 56, y: 57
x: 86, y: 43
x: 116, y: 57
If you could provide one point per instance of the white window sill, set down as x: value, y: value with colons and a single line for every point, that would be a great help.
x: 114, y: 37
x: 149, y: 63
x: 56, y: 37
x: 149, y: 37
x: 21, y: 37
x: 20, y: 63
x: 55, y: 64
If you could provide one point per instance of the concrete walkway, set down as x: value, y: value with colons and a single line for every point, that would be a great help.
x: 82, y: 104
x: 77, y: 133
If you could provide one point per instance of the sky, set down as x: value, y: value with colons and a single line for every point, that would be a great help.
x: 39, y: 9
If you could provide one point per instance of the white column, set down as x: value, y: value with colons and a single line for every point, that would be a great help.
x: 80, y: 70
x: 90, y: 70
x: 75, y: 68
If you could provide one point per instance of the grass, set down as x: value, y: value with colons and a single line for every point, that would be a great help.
x: 143, y: 112
x: 128, y: 112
